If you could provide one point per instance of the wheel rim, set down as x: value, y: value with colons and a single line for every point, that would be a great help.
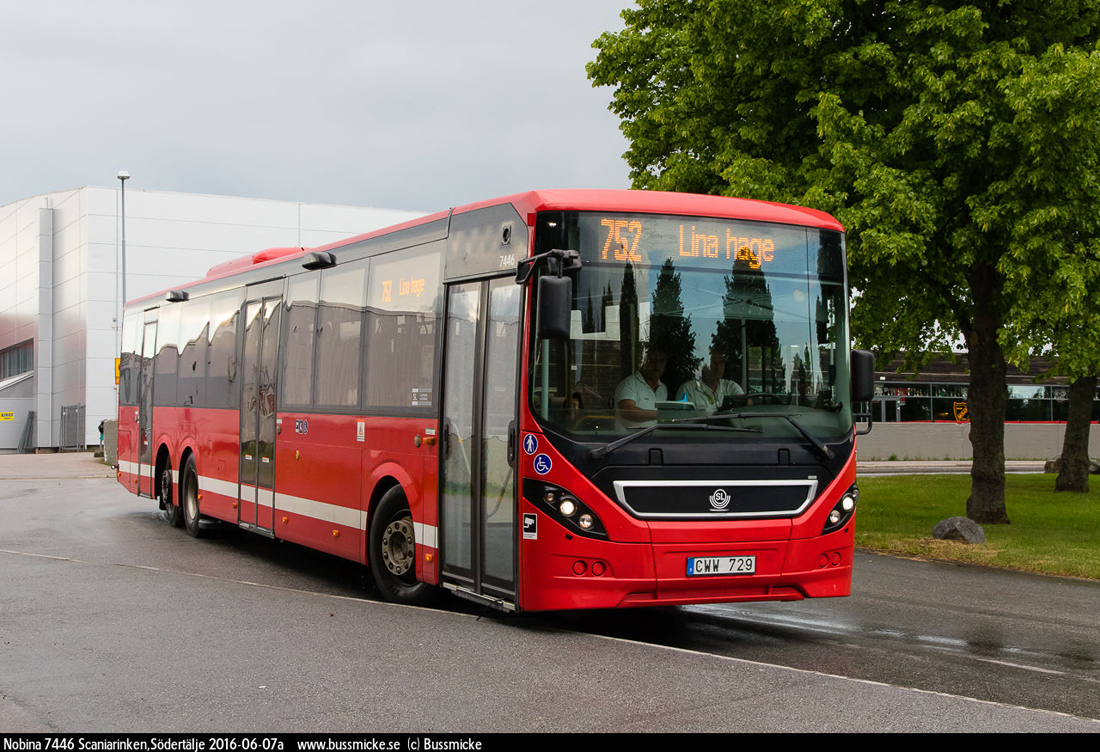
x: 166, y: 489
x: 192, y: 502
x: 398, y: 546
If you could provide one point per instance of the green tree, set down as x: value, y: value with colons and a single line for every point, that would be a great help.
x: 900, y: 118
x: 1054, y: 277
x: 747, y: 324
x: 671, y: 330
x: 630, y: 355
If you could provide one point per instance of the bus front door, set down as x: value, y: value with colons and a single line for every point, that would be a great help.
x: 259, y: 361
x: 478, y: 481
x: 146, y: 469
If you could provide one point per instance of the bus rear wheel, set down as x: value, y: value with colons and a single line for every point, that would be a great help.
x: 168, y: 499
x: 189, y: 491
x: 392, y: 552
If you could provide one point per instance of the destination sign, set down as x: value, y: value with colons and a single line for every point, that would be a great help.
x: 405, y: 286
x: 696, y: 241
x: 406, y: 282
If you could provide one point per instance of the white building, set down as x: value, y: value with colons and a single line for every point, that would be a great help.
x: 61, y: 274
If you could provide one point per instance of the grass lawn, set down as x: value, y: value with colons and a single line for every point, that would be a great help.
x: 1051, y: 533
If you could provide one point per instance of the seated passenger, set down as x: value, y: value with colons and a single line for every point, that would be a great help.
x: 637, y: 395
x: 709, y: 390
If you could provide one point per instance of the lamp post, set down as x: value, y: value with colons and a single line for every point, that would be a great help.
x: 123, y: 176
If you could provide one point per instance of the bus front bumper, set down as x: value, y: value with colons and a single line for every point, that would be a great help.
x: 568, y: 572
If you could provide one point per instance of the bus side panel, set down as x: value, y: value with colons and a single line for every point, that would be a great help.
x: 218, y: 432
x: 379, y: 479
x: 128, y: 447
x: 391, y: 453
x: 427, y: 539
x: 212, y: 437
x: 165, y: 438
x: 318, y: 488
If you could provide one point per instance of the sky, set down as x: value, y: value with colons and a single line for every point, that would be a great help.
x: 418, y: 105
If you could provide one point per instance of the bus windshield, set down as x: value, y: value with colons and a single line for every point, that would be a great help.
x: 735, y: 324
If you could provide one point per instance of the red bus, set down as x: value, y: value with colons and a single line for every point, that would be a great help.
x: 553, y: 400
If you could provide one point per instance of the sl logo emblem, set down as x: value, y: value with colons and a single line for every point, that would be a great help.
x: 719, y: 500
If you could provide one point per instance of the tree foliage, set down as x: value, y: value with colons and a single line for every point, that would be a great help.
x: 924, y: 127
x: 1053, y: 275
x: 671, y: 330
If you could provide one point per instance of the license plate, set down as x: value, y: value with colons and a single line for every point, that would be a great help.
x: 710, y: 566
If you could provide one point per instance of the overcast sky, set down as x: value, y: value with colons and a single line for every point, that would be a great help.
x: 420, y: 104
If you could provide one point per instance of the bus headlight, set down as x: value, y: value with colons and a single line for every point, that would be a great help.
x: 564, y: 507
x: 842, y: 511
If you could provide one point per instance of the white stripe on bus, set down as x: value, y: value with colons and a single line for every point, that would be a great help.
x: 265, y: 497
x: 426, y: 535
x: 320, y: 510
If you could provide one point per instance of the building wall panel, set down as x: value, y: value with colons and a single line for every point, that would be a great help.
x: 59, y: 282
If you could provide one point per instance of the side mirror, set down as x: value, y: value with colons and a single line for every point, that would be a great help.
x: 863, y: 376
x: 555, y: 307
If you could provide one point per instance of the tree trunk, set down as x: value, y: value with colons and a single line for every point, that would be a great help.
x: 1074, y: 475
x: 987, y: 401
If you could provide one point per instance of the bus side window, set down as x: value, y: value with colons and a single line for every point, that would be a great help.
x: 194, y: 336
x: 221, y: 367
x: 340, y: 334
x: 168, y: 356
x: 299, y: 322
x: 130, y: 360
x: 403, y: 306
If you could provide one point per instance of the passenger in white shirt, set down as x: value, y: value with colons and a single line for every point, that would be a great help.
x: 637, y: 395
x: 709, y: 391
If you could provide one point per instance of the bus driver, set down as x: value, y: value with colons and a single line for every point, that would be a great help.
x: 637, y: 395
x: 709, y: 390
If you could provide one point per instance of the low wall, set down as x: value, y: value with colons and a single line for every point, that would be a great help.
x: 908, y: 441
x: 110, y: 442
x: 951, y: 441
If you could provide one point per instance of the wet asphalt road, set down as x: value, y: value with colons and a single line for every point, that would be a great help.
x: 111, y: 620
x: 987, y: 634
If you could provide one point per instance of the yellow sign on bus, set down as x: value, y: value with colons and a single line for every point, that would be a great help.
x: 4, y: 417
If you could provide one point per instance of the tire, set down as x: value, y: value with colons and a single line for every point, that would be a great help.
x: 167, y: 499
x: 189, y: 498
x: 392, y: 552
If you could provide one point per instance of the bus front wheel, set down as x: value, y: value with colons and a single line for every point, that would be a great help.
x: 189, y: 491
x: 392, y: 552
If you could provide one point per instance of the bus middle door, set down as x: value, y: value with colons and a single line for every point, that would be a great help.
x: 259, y: 398
x: 147, y: 469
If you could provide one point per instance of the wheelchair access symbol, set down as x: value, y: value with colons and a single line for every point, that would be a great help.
x: 530, y: 444
x: 543, y: 464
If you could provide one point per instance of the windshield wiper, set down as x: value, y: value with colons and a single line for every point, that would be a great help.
x: 821, y: 449
x: 699, y: 422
